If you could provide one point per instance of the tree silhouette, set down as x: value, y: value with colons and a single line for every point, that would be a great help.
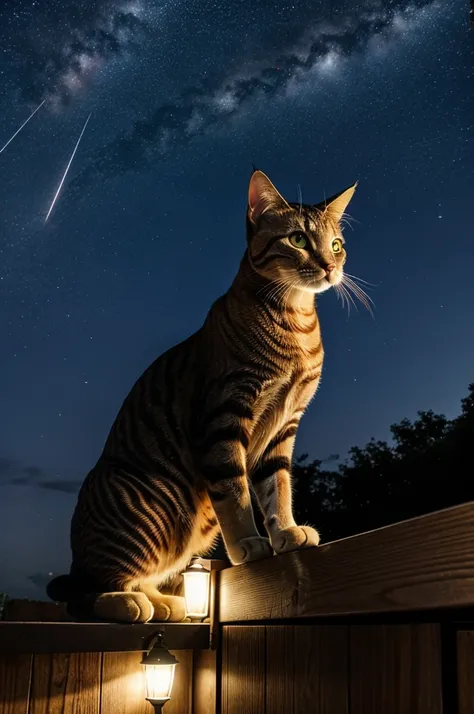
x: 427, y: 466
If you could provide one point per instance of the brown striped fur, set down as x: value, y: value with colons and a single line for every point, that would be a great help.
x: 209, y: 420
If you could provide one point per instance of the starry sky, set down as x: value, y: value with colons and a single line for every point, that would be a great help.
x: 148, y: 228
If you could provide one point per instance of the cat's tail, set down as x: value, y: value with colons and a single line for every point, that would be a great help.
x: 85, y: 604
x: 63, y: 588
x: 75, y: 585
x: 76, y: 592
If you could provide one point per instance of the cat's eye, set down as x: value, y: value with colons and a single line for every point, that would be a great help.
x: 298, y: 240
x: 336, y: 245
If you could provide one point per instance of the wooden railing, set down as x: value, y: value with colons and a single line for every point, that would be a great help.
x: 425, y: 563
x: 381, y: 623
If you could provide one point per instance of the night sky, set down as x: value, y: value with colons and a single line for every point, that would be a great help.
x: 148, y: 229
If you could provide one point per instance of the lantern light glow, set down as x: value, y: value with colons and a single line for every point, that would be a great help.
x: 160, y: 667
x: 196, y: 591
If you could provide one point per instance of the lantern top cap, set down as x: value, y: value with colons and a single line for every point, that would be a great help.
x: 196, y: 566
x: 158, y: 654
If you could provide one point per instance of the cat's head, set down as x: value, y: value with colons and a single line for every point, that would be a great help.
x: 292, y: 243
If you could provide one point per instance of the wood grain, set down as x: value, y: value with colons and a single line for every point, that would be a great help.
x: 54, y: 637
x: 182, y: 699
x: 243, y: 670
x: 15, y: 681
x: 465, y: 646
x: 35, y: 611
x: 123, y: 684
x: 204, y: 682
x: 124, y: 690
x: 280, y: 669
x: 321, y: 673
x: 420, y: 564
x: 395, y: 669
x: 66, y: 683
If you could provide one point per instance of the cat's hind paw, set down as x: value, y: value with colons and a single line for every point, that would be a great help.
x: 294, y: 538
x: 248, y: 549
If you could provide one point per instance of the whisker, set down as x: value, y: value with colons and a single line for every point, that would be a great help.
x: 359, y: 290
x: 342, y: 298
x: 354, y: 277
x: 347, y: 217
x: 352, y: 287
x: 348, y: 297
x: 346, y: 222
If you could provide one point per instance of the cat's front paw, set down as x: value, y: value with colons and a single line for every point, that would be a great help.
x: 247, y: 549
x: 294, y: 538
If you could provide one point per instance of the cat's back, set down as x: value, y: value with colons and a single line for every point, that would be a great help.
x: 151, y: 421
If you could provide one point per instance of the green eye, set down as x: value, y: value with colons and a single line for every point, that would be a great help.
x: 298, y: 240
x: 336, y: 245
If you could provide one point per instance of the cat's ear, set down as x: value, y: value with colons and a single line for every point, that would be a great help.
x: 336, y: 205
x: 263, y: 196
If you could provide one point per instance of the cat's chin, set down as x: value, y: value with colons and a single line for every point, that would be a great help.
x: 317, y: 287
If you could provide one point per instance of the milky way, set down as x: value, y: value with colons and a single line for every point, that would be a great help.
x: 202, y: 106
x: 54, y: 52
x: 149, y: 226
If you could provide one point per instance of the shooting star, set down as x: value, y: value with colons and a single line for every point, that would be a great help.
x: 21, y: 127
x: 67, y: 169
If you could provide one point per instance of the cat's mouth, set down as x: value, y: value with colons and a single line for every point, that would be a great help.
x: 319, y: 281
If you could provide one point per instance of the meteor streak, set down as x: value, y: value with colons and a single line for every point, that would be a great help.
x: 67, y: 169
x: 21, y: 127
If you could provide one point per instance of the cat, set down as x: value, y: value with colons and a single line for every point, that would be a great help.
x: 210, y: 422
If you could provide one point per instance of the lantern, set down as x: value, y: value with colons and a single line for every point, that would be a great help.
x: 196, y: 591
x: 160, y: 666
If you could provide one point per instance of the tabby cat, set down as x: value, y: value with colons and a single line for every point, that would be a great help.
x: 211, y: 420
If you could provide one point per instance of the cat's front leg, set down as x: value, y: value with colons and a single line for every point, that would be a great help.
x: 223, y: 465
x: 272, y: 483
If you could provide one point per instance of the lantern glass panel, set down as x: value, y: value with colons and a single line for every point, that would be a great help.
x: 159, y: 681
x: 196, y: 592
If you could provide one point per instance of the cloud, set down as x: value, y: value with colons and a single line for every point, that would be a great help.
x: 41, y: 580
x: 13, y: 474
x: 203, y: 106
x: 6, y: 466
x: 62, y: 485
x: 55, y: 52
x: 33, y: 472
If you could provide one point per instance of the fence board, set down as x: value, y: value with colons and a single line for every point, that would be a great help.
x: 280, y: 669
x: 66, y: 683
x: 321, y: 676
x: 182, y: 699
x: 50, y: 673
x: 204, y: 682
x: 124, y: 690
x: 123, y: 684
x: 15, y: 681
x: 395, y: 669
x: 53, y: 637
x: 35, y: 611
x: 466, y: 671
x: 243, y: 670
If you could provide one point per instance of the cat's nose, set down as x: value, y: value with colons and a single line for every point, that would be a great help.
x: 330, y: 267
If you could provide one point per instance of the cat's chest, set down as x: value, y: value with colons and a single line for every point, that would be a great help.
x: 282, y: 396
x: 279, y: 401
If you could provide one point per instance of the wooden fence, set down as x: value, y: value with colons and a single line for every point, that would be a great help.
x: 381, y: 623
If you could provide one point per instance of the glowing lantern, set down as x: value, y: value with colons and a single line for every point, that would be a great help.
x: 196, y: 591
x: 160, y: 666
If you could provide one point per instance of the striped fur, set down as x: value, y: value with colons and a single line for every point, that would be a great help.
x: 209, y: 420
